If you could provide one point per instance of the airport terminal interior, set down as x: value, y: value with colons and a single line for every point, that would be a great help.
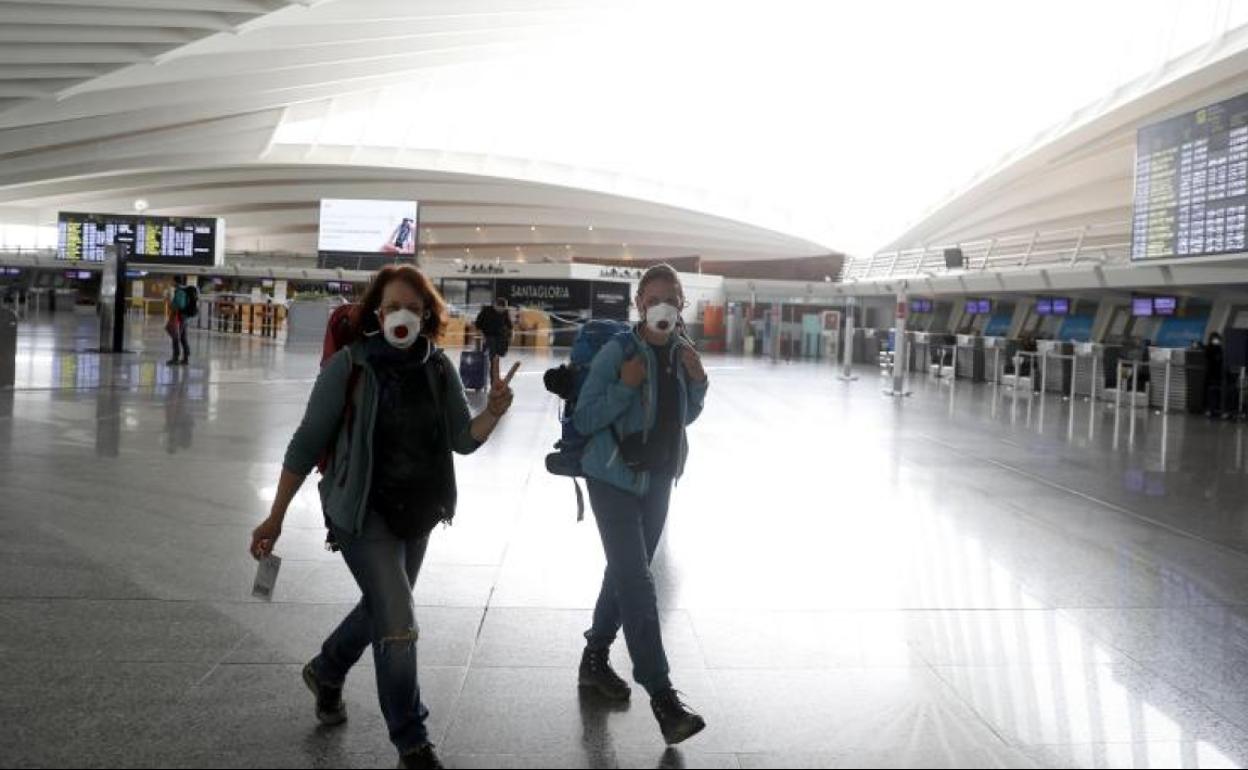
x: 969, y: 487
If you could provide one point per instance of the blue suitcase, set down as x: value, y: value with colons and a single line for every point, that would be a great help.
x: 472, y: 369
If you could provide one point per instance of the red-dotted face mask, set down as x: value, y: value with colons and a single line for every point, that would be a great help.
x: 401, y: 328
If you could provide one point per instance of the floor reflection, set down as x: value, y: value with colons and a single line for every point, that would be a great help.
x: 974, y: 576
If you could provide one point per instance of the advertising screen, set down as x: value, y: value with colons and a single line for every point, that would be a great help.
x: 1044, y: 307
x: 1142, y: 306
x: 368, y: 227
x: 1165, y: 305
x: 1061, y: 306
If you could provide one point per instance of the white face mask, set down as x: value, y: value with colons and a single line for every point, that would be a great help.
x: 401, y: 328
x: 662, y: 318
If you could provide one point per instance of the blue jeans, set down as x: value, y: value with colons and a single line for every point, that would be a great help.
x: 177, y: 332
x: 630, y: 527
x: 385, y: 568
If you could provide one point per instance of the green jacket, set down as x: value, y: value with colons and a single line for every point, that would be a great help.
x: 347, y: 480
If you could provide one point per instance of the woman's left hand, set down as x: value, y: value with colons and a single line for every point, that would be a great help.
x: 693, y: 364
x: 500, y: 389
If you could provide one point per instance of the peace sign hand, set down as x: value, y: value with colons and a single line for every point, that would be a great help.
x: 500, y: 389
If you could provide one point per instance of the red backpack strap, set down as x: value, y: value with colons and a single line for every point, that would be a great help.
x: 338, y: 331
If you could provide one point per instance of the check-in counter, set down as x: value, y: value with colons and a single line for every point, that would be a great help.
x: 1022, y: 368
x: 1168, y: 379
x: 995, y: 349
x: 970, y: 357
x: 1094, y: 363
x: 920, y: 351
x: 942, y: 355
x: 1056, y: 359
x: 1129, y: 378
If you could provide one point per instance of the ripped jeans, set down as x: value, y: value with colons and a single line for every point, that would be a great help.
x: 385, y: 568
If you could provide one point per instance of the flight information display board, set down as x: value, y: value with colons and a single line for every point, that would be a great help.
x: 152, y: 240
x: 83, y: 237
x: 1191, y: 184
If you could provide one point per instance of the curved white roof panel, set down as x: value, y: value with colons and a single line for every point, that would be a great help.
x: 819, y: 126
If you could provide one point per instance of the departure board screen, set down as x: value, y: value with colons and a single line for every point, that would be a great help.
x: 83, y: 237
x: 152, y: 240
x: 175, y: 240
x: 1191, y: 184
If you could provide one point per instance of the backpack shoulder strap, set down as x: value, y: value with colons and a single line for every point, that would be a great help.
x: 580, y: 500
x: 438, y: 378
x: 627, y: 342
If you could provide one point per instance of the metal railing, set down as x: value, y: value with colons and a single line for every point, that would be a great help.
x: 249, y: 262
x: 1108, y: 243
x: 1031, y: 357
x: 267, y: 259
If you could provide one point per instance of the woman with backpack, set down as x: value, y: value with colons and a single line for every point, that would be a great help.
x: 642, y: 390
x: 390, y: 409
x: 179, y: 303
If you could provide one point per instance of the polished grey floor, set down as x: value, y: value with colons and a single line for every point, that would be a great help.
x: 963, y: 578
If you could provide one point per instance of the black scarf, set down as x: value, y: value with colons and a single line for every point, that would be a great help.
x: 413, y: 485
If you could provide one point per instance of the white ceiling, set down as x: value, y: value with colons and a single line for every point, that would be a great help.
x: 190, y: 105
x: 730, y: 130
x: 1080, y: 173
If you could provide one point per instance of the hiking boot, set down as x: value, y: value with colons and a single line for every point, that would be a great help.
x: 422, y: 757
x: 596, y: 674
x: 677, y: 721
x: 330, y: 709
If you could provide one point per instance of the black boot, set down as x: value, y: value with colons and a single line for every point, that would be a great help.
x: 677, y: 721
x: 330, y: 709
x: 422, y: 757
x: 597, y: 675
